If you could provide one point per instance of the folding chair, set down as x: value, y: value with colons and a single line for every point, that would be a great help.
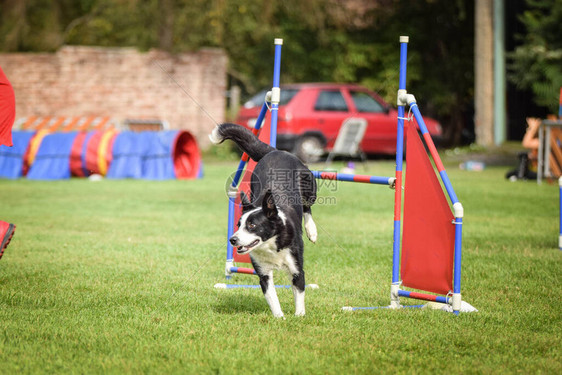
x: 349, y: 137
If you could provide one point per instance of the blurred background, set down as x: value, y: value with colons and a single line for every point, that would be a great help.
x: 478, y: 67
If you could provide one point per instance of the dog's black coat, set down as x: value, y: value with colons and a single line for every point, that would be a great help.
x: 282, y: 190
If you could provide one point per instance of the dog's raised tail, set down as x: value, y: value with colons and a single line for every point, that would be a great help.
x: 244, y: 138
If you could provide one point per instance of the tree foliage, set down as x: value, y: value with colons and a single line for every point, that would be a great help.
x: 324, y: 40
x: 537, y: 63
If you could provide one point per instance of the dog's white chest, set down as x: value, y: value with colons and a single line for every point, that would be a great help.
x: 268, y: 259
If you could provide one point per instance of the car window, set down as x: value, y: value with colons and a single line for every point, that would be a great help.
x: 258, y: 99
x: 330, y: 101
x: 365, y: 102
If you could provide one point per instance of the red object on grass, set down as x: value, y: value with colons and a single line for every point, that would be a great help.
x: 7, y: 231
x: 429, y: 233
x: 186, y: 156
x: 7, y: 110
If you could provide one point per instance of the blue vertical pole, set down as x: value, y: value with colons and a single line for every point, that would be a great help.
x: 560, y: 104
x: 560, y: 220
x: 275, y: 92
x: 394, y: 299
x: 275, y: 98
x: 232, y: 196
x: 230, y: 232
x: 457, y: 265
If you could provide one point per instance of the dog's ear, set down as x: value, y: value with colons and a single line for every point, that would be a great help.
x: 246, y: 204
x: 268, y: 205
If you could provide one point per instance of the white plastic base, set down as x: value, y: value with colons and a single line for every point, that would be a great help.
x: 228, y: 266
x: 456, y: 302
x: 394, y: 298
x: 465, y: 307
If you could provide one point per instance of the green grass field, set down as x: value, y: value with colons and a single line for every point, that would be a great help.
x: 117, y: 277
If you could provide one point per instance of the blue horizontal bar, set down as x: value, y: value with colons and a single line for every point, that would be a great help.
x: 407, y: 294
x: 235, y: 270
x: 326, y: 175
x: 386, y: 307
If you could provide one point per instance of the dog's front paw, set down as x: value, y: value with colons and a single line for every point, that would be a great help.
x: 310, y: 227
x: 311, y: 231
x: 299, y: 313
x: 277, y: 313
x: 313, y: 236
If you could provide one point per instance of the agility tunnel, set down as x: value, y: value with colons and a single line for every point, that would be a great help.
x: 51, y: 162
x: 31, y: 152
x: 127, y: 156
x: 155, y: 156
x: 78, y: 155
x: 151, y: 155
x: 12, y: 158
x: 170, y: 154
x: 427, y: 251
x: 92, y: 153
x: 99, y: 152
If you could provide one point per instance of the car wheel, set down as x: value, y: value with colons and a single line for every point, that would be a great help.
x: 309, y: 149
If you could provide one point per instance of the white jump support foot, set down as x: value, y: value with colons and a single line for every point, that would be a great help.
x: 228, y: 267
x: 456, y: 302
x: 394, y: 298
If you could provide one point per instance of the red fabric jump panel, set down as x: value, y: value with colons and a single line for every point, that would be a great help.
x: 429, y: 234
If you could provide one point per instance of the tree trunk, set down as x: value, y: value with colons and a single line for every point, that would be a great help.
x: 166, y: 25
x: 484, y: 73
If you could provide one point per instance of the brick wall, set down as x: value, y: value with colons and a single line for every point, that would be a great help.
x: 121, y: 83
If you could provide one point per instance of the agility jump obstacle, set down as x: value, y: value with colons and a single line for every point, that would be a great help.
x: 244, y: 170
x: 430, y: 260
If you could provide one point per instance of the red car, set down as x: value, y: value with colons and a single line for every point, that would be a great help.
x: 310, y: 116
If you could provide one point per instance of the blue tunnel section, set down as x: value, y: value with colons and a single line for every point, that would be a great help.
x: 128, y: 151
x: 52, y: 161
x: 149, y: 155
x: 12, y: 158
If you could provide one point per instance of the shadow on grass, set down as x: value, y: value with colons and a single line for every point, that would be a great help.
x: 236, y: 302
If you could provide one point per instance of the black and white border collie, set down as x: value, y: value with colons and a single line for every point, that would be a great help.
x: 270, y: 229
